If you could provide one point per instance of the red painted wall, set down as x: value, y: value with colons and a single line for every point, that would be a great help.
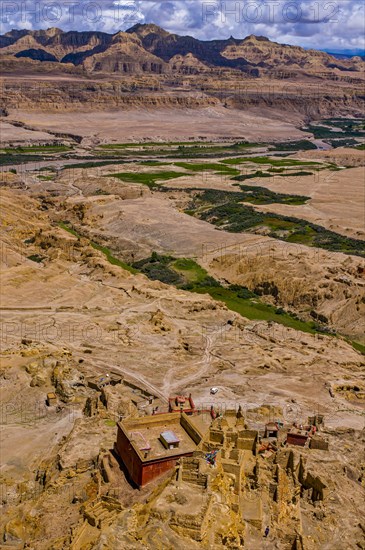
x: 151, y: 471
x: 129, y: 457
x: 296, y: 439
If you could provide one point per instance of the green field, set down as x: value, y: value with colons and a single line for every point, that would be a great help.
x: 273, y: 162
x: 95, y: 164
x: 204, y: 166
x: 149, y: 179
x: 190, y: 270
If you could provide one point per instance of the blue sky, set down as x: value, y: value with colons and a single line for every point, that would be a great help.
x: 322, y: 24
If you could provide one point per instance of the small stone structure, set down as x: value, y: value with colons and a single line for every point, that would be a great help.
x: 102, y: 512
x: 271, y: 430
x: 299, y: 439
x: 51, y: 399
x: 99, y: 382
x: 318, y: 442
x: 181, y: 403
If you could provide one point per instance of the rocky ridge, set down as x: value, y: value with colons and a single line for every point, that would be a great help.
x: 149, y: 49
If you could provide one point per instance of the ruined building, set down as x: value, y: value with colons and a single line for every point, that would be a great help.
x: 151, y: 445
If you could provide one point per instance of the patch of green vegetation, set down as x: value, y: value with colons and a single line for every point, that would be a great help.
x: 337, y: 128
x: 157, y: 268
x: 254, y: 309
x: 204, y: 166
x: 94, y: 164
x: 181, y: 144
x: 360, y: 147
x: 148, y: 144
x: 278, y: 223
x: 249, y: 193
x: 188, y: 150
x: 304, y: 235
x: 273, y: 162
x: 183, y: 273
x: 36, y: 258
x: 236, y: 160
x: 112, y: 259
x: 295, y: 174
x: 194, y: 275
x: 302, y: 145
x: 149, y: 179
x: 214, y: 151
x: 46, y: 169
x: 278, y: 171
x: 190, y: 270
x: 186, y: 274
x: 225, y: 210
x: 242, y: 292
x: 18, y: 159
x: 359, y: 347
x: 261, y: 195
x: 347, y: 123
x: 45, y: 178
x: 244, y: 145
x: 101, y: 192
x: 347, y: 142
x: 65, y: 225
x: 110, y: 423
x: 22, y: 155
x: 37, y: 149
x: 106, y: 251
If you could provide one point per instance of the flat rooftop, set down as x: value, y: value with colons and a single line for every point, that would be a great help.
x: 144, y: 434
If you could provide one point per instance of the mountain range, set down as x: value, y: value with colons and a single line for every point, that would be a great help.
x: 149, y: 49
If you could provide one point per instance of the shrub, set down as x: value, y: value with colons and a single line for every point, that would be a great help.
x: 242, y: 291
x: 36, y: 258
